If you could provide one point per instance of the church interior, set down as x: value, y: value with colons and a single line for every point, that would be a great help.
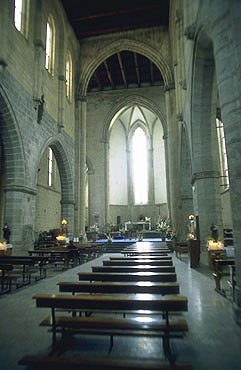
x: 120, y: 131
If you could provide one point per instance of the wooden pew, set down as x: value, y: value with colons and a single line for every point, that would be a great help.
x: 153, y: 258
x: 29, y: 265
x: 123, y: 303
x: 38, y: 362
x: 130, y: 277
x: 138, y: 262
x: 142, y: 253
x: 119, y: 287
x: 5, y: 278
x: 133, y: 269
x: 180, y: 248
x: 221, y: 267
x: 57, y: 256
x: 23, y: 268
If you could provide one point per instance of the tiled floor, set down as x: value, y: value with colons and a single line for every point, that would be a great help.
x: 212, y: 343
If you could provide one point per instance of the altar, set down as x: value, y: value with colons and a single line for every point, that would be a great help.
x: 137, y: 226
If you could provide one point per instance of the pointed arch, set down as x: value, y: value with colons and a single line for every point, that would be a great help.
x: 13, y: 151
x: 129, y: 101
x: 117, y: 46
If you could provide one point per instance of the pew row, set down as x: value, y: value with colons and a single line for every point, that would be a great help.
x: 131, y: 258
x: 136, y: 262
x: 24, y: 268
x: 134, y: 269
x: 119, y: 287
x: 149, y: 304
x: 137, y: 252
x: 129, y: 277
x: 97, y: 363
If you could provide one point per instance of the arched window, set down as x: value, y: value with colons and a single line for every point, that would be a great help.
x: 50, y: 167
x: 140, y: 166
x: 222, y: 154
x: 68, y: 76
x: 50, y: 45
x: 21, y: 16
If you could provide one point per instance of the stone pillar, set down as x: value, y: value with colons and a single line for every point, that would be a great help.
x: 206, y: 193
x: 68, y: 213
x: 19, y: 214
x: 172, y: 157
x: 227, y: 51
x: 80, y: 164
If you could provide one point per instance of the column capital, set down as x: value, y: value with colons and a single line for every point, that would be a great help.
x: 169, y: 87
x: 204, y: 175
x: 190, y: 31
x: 81, y: 98
x: 21, y: 189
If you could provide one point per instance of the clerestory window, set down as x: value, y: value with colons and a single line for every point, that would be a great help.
x: 50, y: 45
x: 69, y: 76
x: 21, y: 10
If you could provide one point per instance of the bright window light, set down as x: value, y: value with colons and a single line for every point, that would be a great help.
x: 139, y: 166
x: 18, y: 14
x: 50, y: 166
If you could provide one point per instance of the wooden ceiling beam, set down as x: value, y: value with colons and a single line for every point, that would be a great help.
x: 109, y: 75
x: 151, y: 73
x: 96, y: 77
x: 137, y: 70
x: 122, y: 70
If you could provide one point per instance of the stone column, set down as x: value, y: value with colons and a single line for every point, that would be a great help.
x: 80, y: 164
x: 207, y: 204
x: 68, y: 213
x: 227, y: 52
x: 172, y: 157
x: 19, y: 214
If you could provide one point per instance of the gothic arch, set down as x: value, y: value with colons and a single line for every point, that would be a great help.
x: 65, y: 171
x: 117, y: 46
x: 129, y: 101
x: 15, y: 173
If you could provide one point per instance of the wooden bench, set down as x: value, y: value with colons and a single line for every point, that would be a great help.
x: 5, y: 278
x: 138, y: 262
x: 119, y: 287
x: 128, y: 303
x: 38, y: 362
x: 134, y: 269
x: 30, y: 265
x: 130, y: 277
x: 59, y: 256
x: 153, y: 258
x: 23, y: 268
x: 181, y: 248
x: 137, y: 252
x: 220, y: 266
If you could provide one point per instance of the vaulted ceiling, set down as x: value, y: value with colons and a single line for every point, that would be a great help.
x: 126, y: 69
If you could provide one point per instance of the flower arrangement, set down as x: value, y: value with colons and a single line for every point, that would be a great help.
x: 165, y: 228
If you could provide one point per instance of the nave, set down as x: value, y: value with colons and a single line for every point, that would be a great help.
x: 212, y: 342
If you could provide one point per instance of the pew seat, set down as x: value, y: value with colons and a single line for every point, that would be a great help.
x: 38, y: 362
x: 119, y: 287
x: 148, y: 304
